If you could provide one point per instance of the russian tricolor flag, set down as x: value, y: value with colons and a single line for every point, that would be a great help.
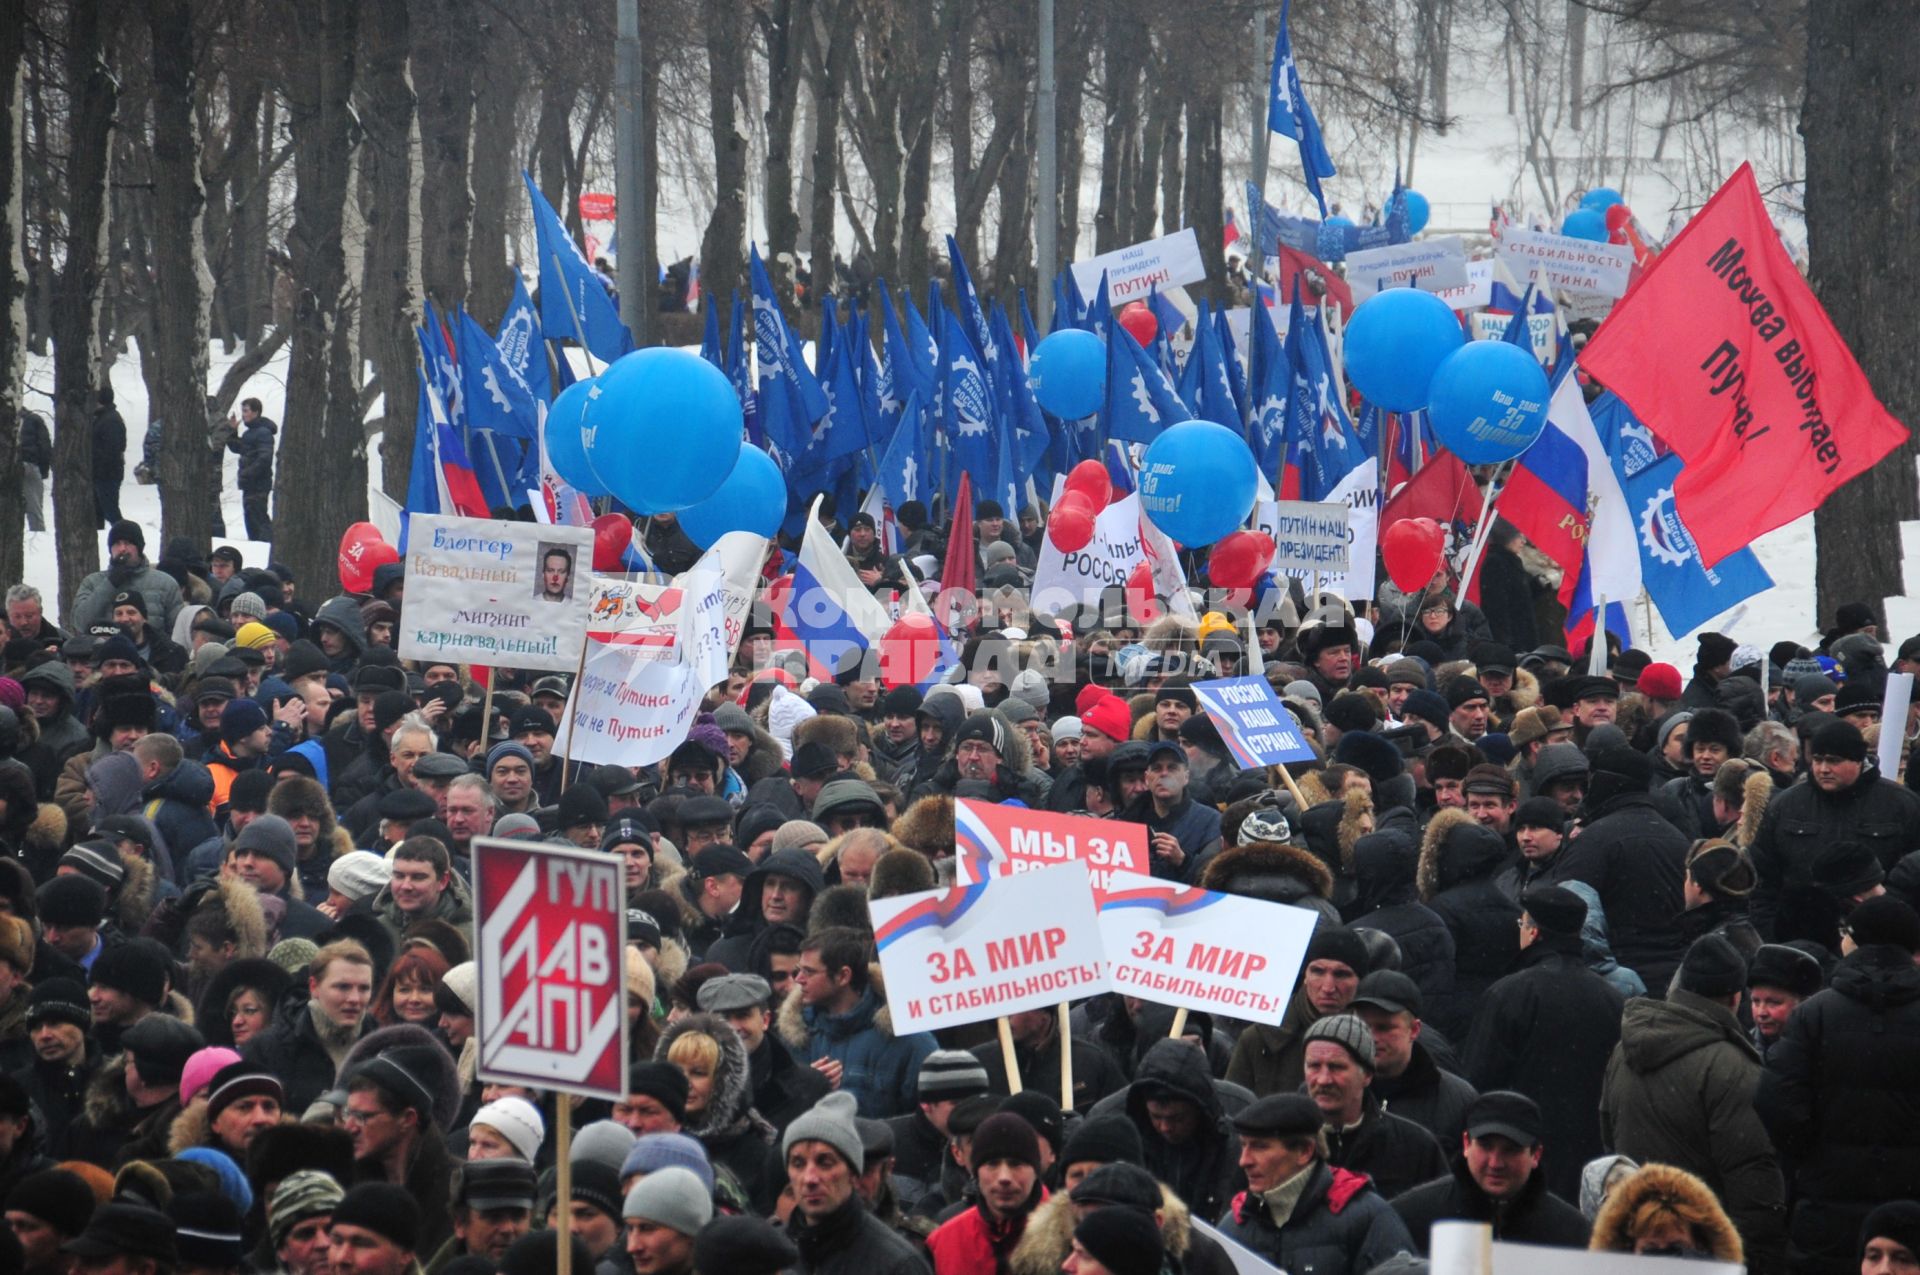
x: 837, y: 618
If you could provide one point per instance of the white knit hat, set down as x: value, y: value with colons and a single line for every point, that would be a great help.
x: 359, y: 875
x: 516, y: 1120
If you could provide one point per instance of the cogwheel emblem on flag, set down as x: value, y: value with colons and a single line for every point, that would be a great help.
x: 1662, y: 532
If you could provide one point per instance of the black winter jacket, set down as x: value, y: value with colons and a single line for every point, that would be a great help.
x: 1546, y: 1032
x: 254, y: 446
x: 1396, y: 1153
x: 1634, y: 860
x: 1535, y: 1216
x: 1804, y: 820
x: 1458, y: 862
x: 1206, y: 1171
x: 1384, y: 864
x: 1841, y: 1097
x: 1339, y: 1226
x: 290, y: 1048
x: 851, y: 1241
x: 1435, y: 1100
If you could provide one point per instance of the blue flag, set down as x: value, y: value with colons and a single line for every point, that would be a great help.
x: 1322, y: 443
x: 710, y: 348
x: 1289, y: 115
x: 966, y: 404
x: 1099, y: 320
x: 495, y: 397
x: 903, y: 472
x: 791, y: 400
x: 1217, y: 401
x: 920, y: 346
x: 1272, y: 379
x: 1687, y: 592
x: 969, y: 303
x: 522, y: 343
x: 738, y: 372
x: 1140, y: 401
x: 901, y: 371
x: 566, y: 275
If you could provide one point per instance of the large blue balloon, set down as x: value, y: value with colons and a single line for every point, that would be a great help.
x: 664, y: 431
x: 1601, y: 198
x: 565, y: 420
x: 1489, y: 402
x: 1197, y: 482
x: 1395, y: 342
x: 1069, y: 373
x: 1419, y: 211
x: 1585, y: 223
x: 753, y: 498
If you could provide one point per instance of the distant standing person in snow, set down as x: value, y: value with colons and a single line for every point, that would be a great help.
x: 109, y: 459
x: 254, y: 444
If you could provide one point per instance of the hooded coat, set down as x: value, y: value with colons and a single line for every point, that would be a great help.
x: 343, y: 613
x: 878, y: 1068
x: 1613, y: 1227
x: 1384, y: 866
x: 177, y: 804
x: 1546, y: 1032
x: 1049, y: 1238
x: 111, y: 1130
x: 1275, y: 872
x: 1679, y: 1090
x: 1096, y: 1073
x: 1841, y: 1097
x: 736, y: 949
x: 736, y: 1136
x: 1459, y: 860
x: 1635, y: 859
x: 1340, y: 1225
x: 1204, y: 1172
x: 62, y: 735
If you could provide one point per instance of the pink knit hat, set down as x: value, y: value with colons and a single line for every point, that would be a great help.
x: 201, y: 1068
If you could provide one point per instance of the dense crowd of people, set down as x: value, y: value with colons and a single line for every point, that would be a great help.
x: 1619, y: 960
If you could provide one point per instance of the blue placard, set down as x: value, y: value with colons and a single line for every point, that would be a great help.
x: 1255, y: 725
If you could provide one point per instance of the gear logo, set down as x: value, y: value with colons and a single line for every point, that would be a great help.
x: 969, y: 397
x: 1662, y: 532
x: 1638, y: 450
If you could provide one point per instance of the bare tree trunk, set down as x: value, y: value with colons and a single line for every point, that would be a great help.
x: 392, y: 285
x: 920, y: 89
x: 1170, y: 169
x: 256, y: 203
x: 721, y: 257
x: 1576, y: 78
x: 93, y: 96
x: 496, y: 143
x: 829, y: 86
x: 319, y: 87
x: 1863, y: 62
x: 553, y: 138
x: 1162, y: 103
x: 189, y: 473
x: 969, y: 196
x: 1205, y: 183
x: 1013, y: 236
x: 786, y: 31
x: 13, y: 281
x: 1119, y: 135
x: 1074, y: 51
x: 444, y: 51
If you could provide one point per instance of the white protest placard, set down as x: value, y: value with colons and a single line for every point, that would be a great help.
x: 972, y: 952
x: 1537, y: 1259
x: 1575, y: 265
x: 1542, y: 331
x: 991, y: 840
x: 1893, y: 713
x: 1310, y: 535
x: 1183, y: 946
x: 1062, y: 579
x: 646, y: 614
x: 1135, y: 271
x: 1476, y: 292
x: 550, y: 923
x: 510, y: 594
x: 1427, y: 264
x: 1360, y: 492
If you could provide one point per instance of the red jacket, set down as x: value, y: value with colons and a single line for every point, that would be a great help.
x: 973, y: 1244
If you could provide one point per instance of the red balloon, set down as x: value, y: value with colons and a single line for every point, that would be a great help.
x: 1412, y: 552
x: 362, y: 552
x: 1618, y: 215
x: 1138, y: 320
x: 1089, y: 479
x: 1142, y: 605
x: 1239, y: 559
x: 910, y: 650
x: 1070, y: 527
x: 612, y: 533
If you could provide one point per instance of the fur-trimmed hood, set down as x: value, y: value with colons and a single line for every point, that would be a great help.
x: 245, y: 917
x: 47, y: 834
x: 1048, y: 1239
x: 1755, y: 793
x: 691, y: 917
x: 731, y: 1097
x: 1272, y: 871
x: 107, y: 1101
x: 872, y: 1011
x: 193, y: 1127
x: 296, y: 794
x: 1456, y: 849
x: 1682, y: 1192
x: 134, y: 902
x: 764, y: 758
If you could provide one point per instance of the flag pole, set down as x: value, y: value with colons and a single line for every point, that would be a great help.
x: 573, y: 698
x: 1483, y: 530
x: 578, y: 330
x: 563, y: 1181
x: 1066, y: 1057
x: 1007, y: 1057
x: 1179, y: 1024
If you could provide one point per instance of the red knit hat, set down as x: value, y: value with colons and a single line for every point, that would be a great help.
x: 1110, y: 717
x: 1660, y: 681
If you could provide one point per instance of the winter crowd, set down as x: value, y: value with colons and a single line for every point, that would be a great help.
x: 1619, y: 961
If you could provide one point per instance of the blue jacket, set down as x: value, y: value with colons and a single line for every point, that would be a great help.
x: 881, y: 1070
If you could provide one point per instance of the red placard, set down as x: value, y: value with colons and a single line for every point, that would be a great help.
x: 550, y: 932
x: 596, y: 206
x: 997, y: 841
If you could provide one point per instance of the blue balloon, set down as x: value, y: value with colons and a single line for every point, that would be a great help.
x: 1601, y: 198
x: 1197, y: 482
x: 1585, y: 223
x: 664, y: 430
x: 1339, y: 219
x: 1489, y: 402
x: 1069, y: 373
x: 1395, y: 342
x: 1419, y: 211
x: 753, y: 498
x: 564, y: 443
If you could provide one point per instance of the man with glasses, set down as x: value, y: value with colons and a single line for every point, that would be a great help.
x: 848, y: 1041
x: 389, y: 1112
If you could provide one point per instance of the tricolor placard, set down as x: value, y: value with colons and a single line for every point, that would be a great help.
x: 1255, y: 726
x: 998, y: 841
x: 550, y: 921
x: 1183, y: 946
x: 973, y: 952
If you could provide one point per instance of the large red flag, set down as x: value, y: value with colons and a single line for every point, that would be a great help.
x: 1722, y: 349
x: 957, y: 571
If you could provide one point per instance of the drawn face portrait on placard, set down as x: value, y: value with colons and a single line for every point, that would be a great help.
x: 554, y: 583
